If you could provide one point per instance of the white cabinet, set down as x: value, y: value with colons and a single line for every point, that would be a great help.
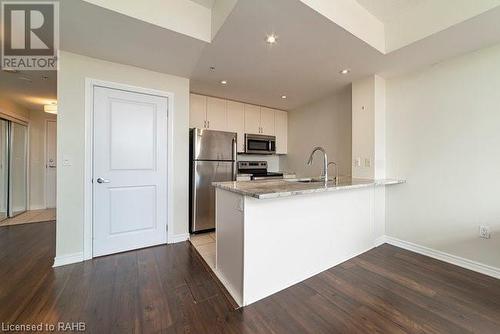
x: 281, y: 131
x: 236, y: 122
x: 224, y: 115
x: 267, y: 121
x: 216, y: 114
x: 259, y: 120
x: 252, y: 119
x: 207, y: 113
x: 197, y: 111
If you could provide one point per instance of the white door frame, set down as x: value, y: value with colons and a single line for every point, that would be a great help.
x: 45, y: 139
x: 89, y: 130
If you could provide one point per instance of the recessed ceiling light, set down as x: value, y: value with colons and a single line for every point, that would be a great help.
x: 345, y: 71
x: 224, y: 82
x: 283, y: 97
x: 271, y: 39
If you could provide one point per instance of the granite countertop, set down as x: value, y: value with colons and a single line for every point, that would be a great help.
x: 264, y: 189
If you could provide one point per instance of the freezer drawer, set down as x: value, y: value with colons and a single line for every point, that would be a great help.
x: 203, y: 193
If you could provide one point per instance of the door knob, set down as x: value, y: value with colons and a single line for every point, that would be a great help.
x: 101, y: 180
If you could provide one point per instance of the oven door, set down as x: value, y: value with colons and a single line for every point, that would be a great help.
x: 257, y: 144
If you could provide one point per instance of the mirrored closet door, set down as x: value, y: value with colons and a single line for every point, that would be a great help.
x: 18, y: 171
x: 4, y: 168
x: 13, y: 168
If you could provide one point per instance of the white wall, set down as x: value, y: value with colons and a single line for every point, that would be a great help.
x: 443, y: 136
x: 324, y: 123
x: 37, y: 133
x: 71, y: 140
x: 368, y: 127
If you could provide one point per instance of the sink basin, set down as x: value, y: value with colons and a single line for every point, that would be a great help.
x: 304, y: 180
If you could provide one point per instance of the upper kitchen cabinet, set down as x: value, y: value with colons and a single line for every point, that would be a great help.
x: 252, y: 119
x: 216, y: 114
x: 197, y: 111
x: 207, y: 113
x: 225, y: 115
x: 267, y: 121
x: 236, y: 122
x: 281, y: 131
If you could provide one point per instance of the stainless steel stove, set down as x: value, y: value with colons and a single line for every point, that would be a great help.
x: 257, y: 170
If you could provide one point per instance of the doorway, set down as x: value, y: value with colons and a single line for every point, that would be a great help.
x: 50, y: 163
x: 129, y: 169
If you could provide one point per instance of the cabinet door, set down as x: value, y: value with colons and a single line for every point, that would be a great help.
x: 281, y: 131
x: 267, y: 121
x: 236, y: 122
x: 216, y: 114
x: 252, y: 119
x: 197, y: 111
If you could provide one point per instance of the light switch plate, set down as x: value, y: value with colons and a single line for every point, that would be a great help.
x: 67, y: 161
x: 484, y: 232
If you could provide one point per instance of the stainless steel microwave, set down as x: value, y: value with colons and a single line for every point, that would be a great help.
x: 260, y: 144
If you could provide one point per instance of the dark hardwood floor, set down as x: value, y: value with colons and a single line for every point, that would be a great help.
x: 167, y: 289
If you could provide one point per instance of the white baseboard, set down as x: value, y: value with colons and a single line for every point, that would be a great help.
x: 172, y: 239
x: 68, y: 259
x: 37, y: 207
x: 439, y: 255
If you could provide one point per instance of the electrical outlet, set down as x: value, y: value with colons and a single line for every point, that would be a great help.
x: 484, y: 232
x: 356, y: 162
x: 368, y: 162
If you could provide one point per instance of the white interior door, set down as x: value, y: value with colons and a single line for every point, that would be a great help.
x: 50, y: 164
x: 130, y: 171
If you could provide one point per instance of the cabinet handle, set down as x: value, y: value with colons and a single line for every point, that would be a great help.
x: 205, y: 124
x: 208, y: 124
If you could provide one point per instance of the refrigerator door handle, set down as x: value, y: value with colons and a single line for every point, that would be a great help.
x: 235, y: 148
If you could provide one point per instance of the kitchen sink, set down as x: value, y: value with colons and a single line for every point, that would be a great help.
x: 304, y: 180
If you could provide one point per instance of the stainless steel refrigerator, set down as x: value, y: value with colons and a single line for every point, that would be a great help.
x: 213, y: 159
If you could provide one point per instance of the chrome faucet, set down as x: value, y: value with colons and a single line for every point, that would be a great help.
x: 325, y: 161
x: 336, y: 171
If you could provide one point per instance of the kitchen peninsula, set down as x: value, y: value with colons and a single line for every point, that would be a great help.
x: 275, y: 233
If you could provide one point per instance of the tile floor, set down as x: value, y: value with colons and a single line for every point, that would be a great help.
x: 32, y: 216
x: 205, y: 245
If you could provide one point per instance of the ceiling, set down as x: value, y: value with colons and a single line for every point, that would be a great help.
x: 388, y: 10
x: 311, y: 50
x: 304, y: 64
x: 205, y: 3
x: 30, y: 89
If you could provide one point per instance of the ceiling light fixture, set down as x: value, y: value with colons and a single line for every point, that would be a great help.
x: 345, y: 71
x: 50, y: 108
x: 283, y: 97
x: 271, y: 39
x: 223, y: 82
